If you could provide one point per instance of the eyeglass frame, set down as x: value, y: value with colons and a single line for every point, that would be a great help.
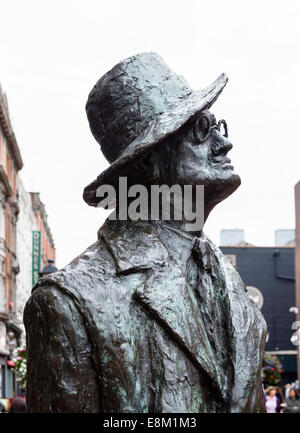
x: 210, y: 118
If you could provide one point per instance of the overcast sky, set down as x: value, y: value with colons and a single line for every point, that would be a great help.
x: 53, y: 52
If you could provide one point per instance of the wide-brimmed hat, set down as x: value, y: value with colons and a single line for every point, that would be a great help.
x: 135, y: 106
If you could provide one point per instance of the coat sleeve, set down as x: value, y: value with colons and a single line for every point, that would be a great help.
x: 60, y: 372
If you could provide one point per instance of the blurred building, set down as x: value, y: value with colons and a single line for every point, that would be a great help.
x: 35, y: 246
x: 26, y: 245
x: 269, y: 274
x: 43, y: 244
x: 10, y: 163
x: 26, y: 225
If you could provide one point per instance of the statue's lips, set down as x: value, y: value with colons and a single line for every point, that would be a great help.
x: 223, y: 162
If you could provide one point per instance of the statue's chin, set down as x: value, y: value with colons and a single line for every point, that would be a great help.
x: 219, y: 189
x: 234, y: 181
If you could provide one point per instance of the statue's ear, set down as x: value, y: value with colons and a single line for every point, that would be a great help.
x: 148, y: 167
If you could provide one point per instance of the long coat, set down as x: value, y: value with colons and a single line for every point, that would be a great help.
x: 147, y: 319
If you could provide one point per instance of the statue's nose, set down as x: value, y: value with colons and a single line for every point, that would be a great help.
x: 221, y: 145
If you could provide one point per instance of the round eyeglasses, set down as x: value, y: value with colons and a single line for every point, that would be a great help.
x: 204, y: 126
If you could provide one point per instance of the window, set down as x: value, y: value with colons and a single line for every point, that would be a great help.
x: 2, y: 222
x: 3, y: 153
x: 232, y: 259
x: 8, y: 165
x: 15, y: 183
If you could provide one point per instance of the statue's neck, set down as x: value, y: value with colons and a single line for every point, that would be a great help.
x: 190, y: 219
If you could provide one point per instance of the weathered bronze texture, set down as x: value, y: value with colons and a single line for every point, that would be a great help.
x: 150, y: 318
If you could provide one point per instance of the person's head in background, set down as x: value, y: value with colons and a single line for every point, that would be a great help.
x: 293, y: 394
x: 18, y: 405
x: 271, y: 391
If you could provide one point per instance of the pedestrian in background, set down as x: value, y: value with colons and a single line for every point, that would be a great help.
x: 272, y: 401
x: 287, y: 387
x: 292, y: 402
x: 18, y: 405
x: 279, y: 394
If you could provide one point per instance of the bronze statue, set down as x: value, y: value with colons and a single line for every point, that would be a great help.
x: 151, y: 317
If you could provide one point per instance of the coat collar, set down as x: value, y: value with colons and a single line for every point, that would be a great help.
x: 134, y: 246
x: 153, y: 244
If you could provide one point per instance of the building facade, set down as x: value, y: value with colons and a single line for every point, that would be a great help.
x: 26, y: 245
x: 269, y: 274
x: 47, y: 247
x: 10, y: 164
x: 26, y: 225
x: 35, y: 246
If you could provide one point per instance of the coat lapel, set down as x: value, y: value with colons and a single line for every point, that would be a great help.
x: 165, y: 293
x: 173, y: 304
x: 247, y: 327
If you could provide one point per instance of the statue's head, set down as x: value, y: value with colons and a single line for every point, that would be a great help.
x: 153, y: 128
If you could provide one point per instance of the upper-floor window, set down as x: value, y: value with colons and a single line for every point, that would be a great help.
x: 2, y: 149
x: 8, y: 229
x: 2, y: 223
x: 15, y: 183
x: 8, y: 168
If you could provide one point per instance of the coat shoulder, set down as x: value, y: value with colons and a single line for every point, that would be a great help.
x: 94, y: 264
x: 57, y: 342
x: 57, y: 288
x: 93, y: 281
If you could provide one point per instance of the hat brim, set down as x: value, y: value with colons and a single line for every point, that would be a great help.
x: 157, y: 130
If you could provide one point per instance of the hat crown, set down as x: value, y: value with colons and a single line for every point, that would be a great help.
x: 129, y: 96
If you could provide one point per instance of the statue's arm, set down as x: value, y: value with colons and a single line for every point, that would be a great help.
x: 61, y: 377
